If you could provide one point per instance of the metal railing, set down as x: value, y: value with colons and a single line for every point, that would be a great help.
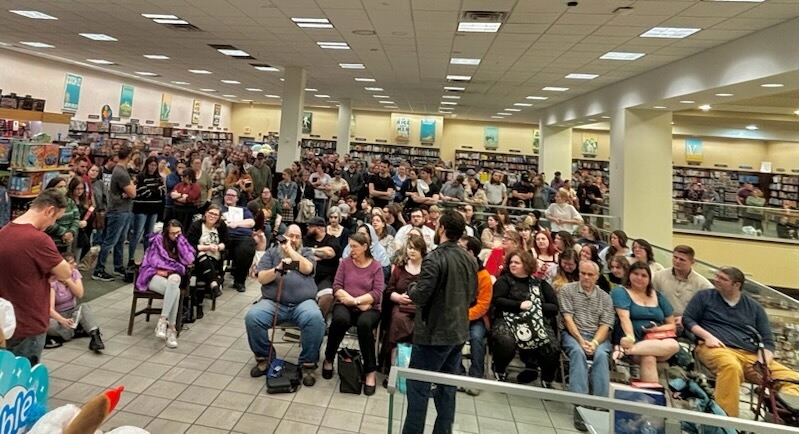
x: 753, y: 222
x: 602, y: 221
x: 672, y: 415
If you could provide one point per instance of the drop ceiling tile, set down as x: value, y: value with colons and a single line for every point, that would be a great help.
x: 531, y: 18
x: 772, y: 10
x: 693, y: 22
x: 631, y: 31
x: 747, y: 23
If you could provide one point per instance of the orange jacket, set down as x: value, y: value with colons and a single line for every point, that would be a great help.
x: 485, y: 291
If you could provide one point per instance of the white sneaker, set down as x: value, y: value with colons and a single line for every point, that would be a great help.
x: 171, y: 338
x: 160, y: 329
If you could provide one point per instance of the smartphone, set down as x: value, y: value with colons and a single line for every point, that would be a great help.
x: 293, y: 265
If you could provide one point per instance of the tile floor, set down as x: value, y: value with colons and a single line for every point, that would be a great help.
x: 204, y: 385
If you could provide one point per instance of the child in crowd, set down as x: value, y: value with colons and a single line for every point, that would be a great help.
x: 68, y: 319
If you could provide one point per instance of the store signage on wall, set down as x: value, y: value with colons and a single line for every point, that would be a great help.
x: 491, y: 137
x: 307, y: 122
x: 217, y: 114
x: 93, y: 117
x: 166, y: 106
x: 693, y: 150
x: 403, y: 129
x: 106, y: 113
x: 195, y: 112
x: 126, y: 101
x: 427, y: 131
x: 72, y: 92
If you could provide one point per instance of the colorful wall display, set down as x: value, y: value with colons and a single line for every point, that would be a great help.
x: 307, y: 122
x: 590, y: 146
x: 195, y: 112
x: 126, y: 101
x: 106, y: 113
x: 166, y: 106
x: 427, y: 131
x: 491, y: 137
x: 72, y: 92
x: 402, y: 126
x: 217, y: 114
x: 537, y: 142
x: 693, y: 150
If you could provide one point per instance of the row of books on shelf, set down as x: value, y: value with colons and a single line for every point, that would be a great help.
x: 30, y: 183
x: 27, y: 155
x: 411, y: 151
x: 495, y: 157
x: 784, y: 179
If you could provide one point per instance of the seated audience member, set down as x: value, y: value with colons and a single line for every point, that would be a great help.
x: 567, y: 269
x: 378, y: 252
x: 721, y: 319
x: 546, y: 254
x: 528, y: 238
x: 478, y: 314
x: 680, y: 282
x: 564, y: 241
x: 162, y: 269
x: 590, y: 235
x: 619, y: 270
x: 239, y: 221
x: 358, y: 289
x: 383, y: 236
x: 400, y: 321
x: 617, y: 247
x: 785, y: 229
x: 642, y: 252
x: 295, y: 264
x: 209, y: 237
x: 643, y: 310
x: 327, y: 253
x: 268, y: 214
x: 336, y: 227
x: 417, y: 221
x: 588, y: 319
x: 496, y: 261
x: 493, y: 232
x: 64, y: 295
x: 517, y: 293
x: 589, y: 253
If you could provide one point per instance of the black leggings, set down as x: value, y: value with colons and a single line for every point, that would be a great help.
x: 242, y: 250
x: 503, y: 347
x: 366, y: 321
x: 207, y: 269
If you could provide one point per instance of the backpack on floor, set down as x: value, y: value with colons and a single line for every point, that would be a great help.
x: 283, y: 377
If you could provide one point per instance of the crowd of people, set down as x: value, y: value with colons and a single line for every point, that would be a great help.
x: 337, y: 243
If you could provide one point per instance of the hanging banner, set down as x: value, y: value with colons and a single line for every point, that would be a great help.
x: 590, y: 146
x: 491, y: 137
x: 72, y: 92
x: 403, y: 129
x: 427, y: 131
x: 166, y: 106
x: 217, y: 114
x: 126, y: 101
x: 536, y: 141
x: 195, y: 112
x: 693, y: 150
x: 307, y: 122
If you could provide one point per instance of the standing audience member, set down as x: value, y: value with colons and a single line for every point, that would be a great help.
x: 65, y: 230
x: 381, y: 186
x: 26, y: 278
x: 64, y: 296
x: 319, y: 180
x: 77, y: 192
x: 446, y: 288
x: 172, y: 179
x: 260, y: 173
x: 186, y: 197
x: 147, y: 206
x: 562, y: 215
x: 496, y: 191
x: 590, y: 196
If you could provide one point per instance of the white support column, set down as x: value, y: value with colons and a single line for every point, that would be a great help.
x: 291, y: 117
x: 344, y: 124
x: 640, y: 173
x: 555, y: 151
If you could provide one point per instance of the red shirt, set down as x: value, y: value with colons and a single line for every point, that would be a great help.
x: 26, y: 257
x: 191, y: 190
x: 495, y: 262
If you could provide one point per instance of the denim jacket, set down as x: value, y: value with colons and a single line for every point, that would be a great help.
x: 156, y: 258
x: 287, y: 190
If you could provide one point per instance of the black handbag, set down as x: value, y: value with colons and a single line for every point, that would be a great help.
x: 287, y: 382
x: 350, y: 371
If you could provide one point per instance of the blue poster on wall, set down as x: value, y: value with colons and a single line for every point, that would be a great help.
x: 72, y: 92
x: 491, y: 137
x: 427, y: 131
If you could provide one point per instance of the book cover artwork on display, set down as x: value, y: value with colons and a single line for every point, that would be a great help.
x: 126, y: 101
x: 590, y: 147
x: 536, y: 141
x: 693, y: 150
x: 307, y: 122
x: 217, y: 114
x: 72, y: 92
x: 402, y: 129
x: 195, y: 112
x: 166, y: 106
x: 491, y: 138
x: 427, y: 131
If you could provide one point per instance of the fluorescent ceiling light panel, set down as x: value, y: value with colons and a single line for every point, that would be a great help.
x: 577, y: 76
x: 451, y: 96
x: 156, y: 57
x: 230, y: 81
x: 504, y: 114
x: 772, y: 85
x: 102, y: 37
x: 479, y: 27
x: 171, y: 21
x: 522, y: 104
x: 100, y: 61
x: 386, y: 102
x: 497, y: 117
x: 208, y: 90
x: 796, y: 112
x: 333, y: 45
x: 38, y: 44
x: 381, y: 96
x: 264, y: 67
x: 705, y: 107
x: 160, y: 16
x: 555, y: 89
x: 322, y: 96
x: 254, y: 89
x: 464, y: 61
x: 669, y: 32
x: 311, y: 20
x: 200, y: 71
x: 454, y: 88
x: 621, y: 55
x: 724, y: 94
x: 752, y: 127
x: 659, y: 107
x: 36, y: 15
x: 537, y: 98
x: 351, y: 65
x: 459, y: 77
x: 182, y: 83
x: 229, y: 96
x: 314, y: 26
x: 365, y: 80
x: 374, y: 89
x: 687, y: 101
x: 313, y: 23
x: 234, y: 52
x: 146, y: 74
x: 448, y: 103
x: 272, y: 96
x: 246, y: 100
x: 310, y: 89
x: 512, y: 110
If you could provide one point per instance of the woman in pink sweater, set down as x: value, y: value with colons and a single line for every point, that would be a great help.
x: 358, y: 287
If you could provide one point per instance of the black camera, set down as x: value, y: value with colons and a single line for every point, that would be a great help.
x: 281, y: 239
x: 293, y: 265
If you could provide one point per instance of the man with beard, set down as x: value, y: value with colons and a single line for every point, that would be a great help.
x: 523, y: 190
x: 418, y: 222
x: 327, y: 252
x: 381, y: 186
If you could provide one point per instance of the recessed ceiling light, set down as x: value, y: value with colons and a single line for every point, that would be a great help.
x: 234, y: 52
x: 146, y: 74
x: 264, y: 67
x: 669, y: 32
x: 322, y: 96
x: 36, y: 15
x: 724, y: 94
x: 177, y: 22
x: 208, y: 90
x: 391, y: 106
x: 705, y: 107
x: 313, y: 23
x: 459, y: 77
x: 772, y: 85
x: 310, y: 20
x: 156, y: 57
x: 333, y: 45
x: 752, y: 127
x: 230, y: 81
x: 497, y: 117
x: 351, y: 65
x: 522, y: 104
x: 478, y: 27
x: 381, y: 96
x: 182, y: 83
x: 448, y: 103
x: 374, y: 89
x: 555, y: 89
x: 246, y: 100
x: 451, y: 96
x: 100, y: 61
x: 537, y: 98
x: 454, y: 88
x: 504, y: 114
x: 315, y: 26
x: 160, y: 16
x: 659, y: 107
x: 200, y: 71
x: 464, y: 61
x: 621, y: 55
x: 38, y: 44
x: 512, y: 110
x: 254, y: 89
x: 365, y: 80
x: 229, y: 96
x: 605, y: 117
x: 386, y: 102
x: 796, y: 112
x: 310, y: 89
x: 99, y: 37
x: 687, y: 101
x: 272, y: 96
x: 578, y: 76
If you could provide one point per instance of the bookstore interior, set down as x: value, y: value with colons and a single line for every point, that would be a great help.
x: 534, y: 87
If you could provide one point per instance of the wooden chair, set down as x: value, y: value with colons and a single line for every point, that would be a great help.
x: 150, y: 296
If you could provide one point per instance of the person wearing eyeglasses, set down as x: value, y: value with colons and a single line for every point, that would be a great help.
x: 239, y: 221
x: 210, y: 238
x: 162, y: 269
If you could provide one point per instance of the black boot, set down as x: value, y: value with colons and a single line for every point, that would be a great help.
x: 96, y: 344
x: 199, y: 314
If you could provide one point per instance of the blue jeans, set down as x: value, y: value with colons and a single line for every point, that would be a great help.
x: 321, y: 207
x: 116, y: 227
x: 439, y: 358
x: 29, y: 348
x: 477, y: 337
x: 578, y: 365
x: 306, y: 315
x: 143, y: 225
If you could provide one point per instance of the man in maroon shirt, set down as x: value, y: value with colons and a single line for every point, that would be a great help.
x: 26, y: 272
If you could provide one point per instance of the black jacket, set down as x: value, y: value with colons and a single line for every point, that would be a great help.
x: 446, y: 288
x: 196, y: 231
x: 510, y: 291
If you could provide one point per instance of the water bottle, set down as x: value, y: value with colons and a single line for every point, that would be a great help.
x: 76, y: 317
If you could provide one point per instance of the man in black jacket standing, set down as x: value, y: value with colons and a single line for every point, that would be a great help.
x: 446, y: 287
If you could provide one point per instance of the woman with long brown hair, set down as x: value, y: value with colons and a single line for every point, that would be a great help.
x: 209, y: 236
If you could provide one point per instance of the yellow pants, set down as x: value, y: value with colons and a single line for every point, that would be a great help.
x: 731, y: 366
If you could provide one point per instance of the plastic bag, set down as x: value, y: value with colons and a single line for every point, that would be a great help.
x: 8, y: 321
x: 403, y: 361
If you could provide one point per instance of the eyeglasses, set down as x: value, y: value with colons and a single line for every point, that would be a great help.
x: 213, y: 214
x: 175, y: 233
x: 231, y: 195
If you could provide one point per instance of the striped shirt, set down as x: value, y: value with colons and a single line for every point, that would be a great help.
x: 589, y: 311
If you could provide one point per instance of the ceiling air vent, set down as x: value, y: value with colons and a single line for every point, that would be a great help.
x: 183, y: 27
x: 484, y: 17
